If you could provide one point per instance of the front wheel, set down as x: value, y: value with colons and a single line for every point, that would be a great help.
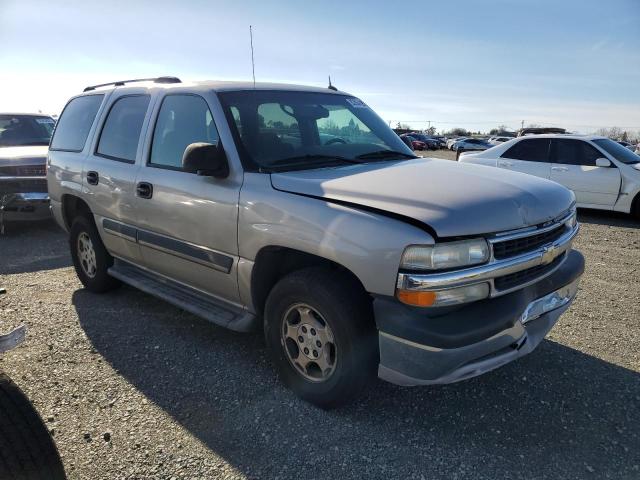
x: 320, y: 332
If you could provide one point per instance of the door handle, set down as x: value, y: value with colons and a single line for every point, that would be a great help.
x: 93, y: 178
x: 144, y: 190
x: 560, y: 169
x: 505, y: 164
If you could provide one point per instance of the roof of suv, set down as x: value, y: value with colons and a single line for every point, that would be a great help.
x: 218, y: 86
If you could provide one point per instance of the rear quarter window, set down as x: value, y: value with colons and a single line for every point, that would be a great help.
x: 74, y: 124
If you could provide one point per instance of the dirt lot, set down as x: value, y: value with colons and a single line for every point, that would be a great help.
x: 133, y: 388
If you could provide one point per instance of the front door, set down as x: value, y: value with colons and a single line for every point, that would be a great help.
x: 575, y: 167
x: 187, y: 223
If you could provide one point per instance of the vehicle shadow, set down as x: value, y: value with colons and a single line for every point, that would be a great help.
x: 604, y: 217
x: 557, y: 413
x: 47, y: 247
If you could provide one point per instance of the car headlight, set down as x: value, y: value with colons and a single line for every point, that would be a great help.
x: 445, y: 255
x: 573, y: 220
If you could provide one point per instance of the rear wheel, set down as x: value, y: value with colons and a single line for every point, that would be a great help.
x: 320, y: 332
x: 27, y: 450
x: 90, y: 258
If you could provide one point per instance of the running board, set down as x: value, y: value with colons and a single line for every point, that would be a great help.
x: 186, y: 298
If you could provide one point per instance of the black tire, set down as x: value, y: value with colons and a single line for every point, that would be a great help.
x: 348, y: 312
x: 101, y: 281
x: 27, y: 451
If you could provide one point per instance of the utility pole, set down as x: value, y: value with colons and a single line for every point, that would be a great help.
x: 522, y: 123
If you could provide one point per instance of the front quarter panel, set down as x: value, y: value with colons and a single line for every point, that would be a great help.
x: 368, y: 244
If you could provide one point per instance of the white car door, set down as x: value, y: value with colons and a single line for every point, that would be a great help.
x: 529, y: 155
x: 574, y: 166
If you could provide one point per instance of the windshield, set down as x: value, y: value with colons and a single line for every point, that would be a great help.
x: 297, y: 130
x: 617, y: 151
x: 22, y: 130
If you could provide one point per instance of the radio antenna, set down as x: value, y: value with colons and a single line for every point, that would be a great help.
x: 253, y: 66
x: 331, y: 87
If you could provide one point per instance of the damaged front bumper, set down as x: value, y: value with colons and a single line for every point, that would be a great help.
x: 417, y: 348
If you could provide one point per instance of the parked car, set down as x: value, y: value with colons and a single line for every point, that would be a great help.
x: 628, y: 145
x: 602, y: 173
x: 638, y: 149
x: 355, y: 259
x: 470, y: 144
x: 406, y: 141
x: 498, y: 140
x: 24, y: 139
x: 429, y: 142
x: 415, y: 143
x: 451, y: 141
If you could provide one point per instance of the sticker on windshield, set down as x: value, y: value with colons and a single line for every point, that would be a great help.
x: 42, y: 121
x: 356, y: 103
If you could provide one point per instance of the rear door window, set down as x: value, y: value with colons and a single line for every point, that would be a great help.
x: 574, y: 152
x: 75, y: 122
x: 121, y: 131
x: 532, y: 150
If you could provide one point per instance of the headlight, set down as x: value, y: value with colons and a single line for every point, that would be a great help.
x: 445, y: 255
x: 572, y: 221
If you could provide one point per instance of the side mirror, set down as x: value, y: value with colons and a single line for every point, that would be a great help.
x: 603, y: 162
x: 205, y: 159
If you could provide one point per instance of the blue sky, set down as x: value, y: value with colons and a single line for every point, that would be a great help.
x: 473, y: 64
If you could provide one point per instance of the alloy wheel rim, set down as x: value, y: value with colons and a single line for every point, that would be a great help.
x: 308, y: 342
x: 87, y: 255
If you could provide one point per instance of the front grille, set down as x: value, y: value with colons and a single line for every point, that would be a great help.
x: 516, y: 279
x: 23, y: 186
x: 24, y: 171
x: 511, y: 248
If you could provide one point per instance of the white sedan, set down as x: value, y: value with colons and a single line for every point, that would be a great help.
x: 602, y: 173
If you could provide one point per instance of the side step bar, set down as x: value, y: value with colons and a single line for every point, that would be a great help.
x: 186, y: 298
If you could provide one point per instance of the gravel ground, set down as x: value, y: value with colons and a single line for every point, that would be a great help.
x: 131, y: 387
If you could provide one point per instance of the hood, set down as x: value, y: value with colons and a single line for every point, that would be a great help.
x: 30, y: 155
x: 455, y: 199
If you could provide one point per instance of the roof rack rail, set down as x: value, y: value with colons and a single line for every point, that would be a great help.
x: 120, y: 83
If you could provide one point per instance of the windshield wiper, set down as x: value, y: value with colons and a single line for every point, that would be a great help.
x: 307, y: 161
x: 384, y: 154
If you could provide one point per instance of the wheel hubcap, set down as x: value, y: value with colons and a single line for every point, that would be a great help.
x: 87, y: 255
x: 308, y: 343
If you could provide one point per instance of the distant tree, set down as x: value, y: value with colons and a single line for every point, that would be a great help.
x: 431, y: 131
x: 625, y: 136
x: 458, y: 132
x: 403, y: 126
x: 501, y: 130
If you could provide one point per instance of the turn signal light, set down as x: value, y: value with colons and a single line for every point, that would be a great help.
x: 416, y: 298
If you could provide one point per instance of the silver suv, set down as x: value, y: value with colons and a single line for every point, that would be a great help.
x: 299, y: 211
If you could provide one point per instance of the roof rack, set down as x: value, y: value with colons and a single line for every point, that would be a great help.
x: 120, y: 83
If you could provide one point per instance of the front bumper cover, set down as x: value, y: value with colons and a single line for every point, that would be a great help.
x: 416, y: 349
x: 24, y: 206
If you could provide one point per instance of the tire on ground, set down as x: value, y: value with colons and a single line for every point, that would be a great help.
x: 27, y: 451
x: 102, y: 281
x: 343, y: 304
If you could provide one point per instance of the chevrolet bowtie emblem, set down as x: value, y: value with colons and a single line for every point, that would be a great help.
x: 549, y: 253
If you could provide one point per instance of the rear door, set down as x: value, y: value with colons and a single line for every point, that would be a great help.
x: 187, y: 223
x: 574, y: 166
x: 529, y: 155
x: 110, y: 170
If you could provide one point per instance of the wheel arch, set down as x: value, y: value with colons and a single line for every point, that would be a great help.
x: 272, y: 263
x: 73, y: 206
